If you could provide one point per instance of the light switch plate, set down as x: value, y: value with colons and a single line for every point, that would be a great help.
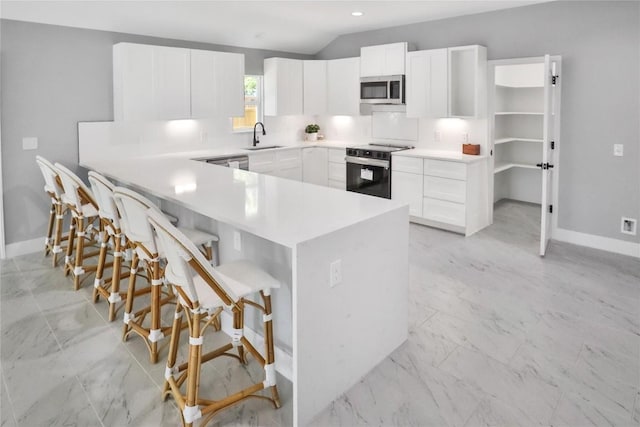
x: 618, y: 150
x: 237, y: 241
x: 29, y: 143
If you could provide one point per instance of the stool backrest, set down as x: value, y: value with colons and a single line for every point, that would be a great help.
x: 133, y: 209
x: 180, y: 252
x: 75, y: 191
x: 103, y: 192
x: 50, y: 175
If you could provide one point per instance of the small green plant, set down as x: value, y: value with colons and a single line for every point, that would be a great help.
x: 312, y: 128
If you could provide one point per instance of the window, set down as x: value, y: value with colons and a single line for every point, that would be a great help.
x: 252, y: 105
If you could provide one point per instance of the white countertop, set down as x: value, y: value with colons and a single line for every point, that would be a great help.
x: 440, y: 155
x: 283, y: 211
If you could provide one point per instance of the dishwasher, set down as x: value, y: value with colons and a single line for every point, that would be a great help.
x: 234, y: 162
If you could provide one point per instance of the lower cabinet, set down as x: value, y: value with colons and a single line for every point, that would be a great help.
x: 281, y: 163
x: 325, y: 166
x: 442, y: 193
x: 337, y: 168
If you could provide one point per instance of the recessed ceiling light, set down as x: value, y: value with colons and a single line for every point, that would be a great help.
x: 357, y: 13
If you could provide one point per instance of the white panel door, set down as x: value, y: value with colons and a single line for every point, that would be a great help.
x: 283, y: 87
x: 394, y: 59
x: 343, y: 77
x: 315, y: 87
x: 439, y: 83
x: 217, y: 84
x: 171, y: 83
x: 132, y: 82
x: 314, y: 165
x: 407, y: 187
x: 372, y: 61
x: 551, y: 112
x: 426, y: 82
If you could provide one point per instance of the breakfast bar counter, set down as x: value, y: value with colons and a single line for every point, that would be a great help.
x: 342, y: 258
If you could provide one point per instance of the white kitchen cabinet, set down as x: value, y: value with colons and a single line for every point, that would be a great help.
x: 264, y: 162
x: 343, y: 87
x: 337, y: 168
x: 467, y: 76
x: 407, y: 187
x: 283, y: 86
x: 281, y: 163
x: 217, y: 84
x: 315, y: 87
x: 314, y: 165
x: 427, y: 83
x: 168, y: 83
x: 441, y: 193
x: 150, y: 82
x: 383, y: 60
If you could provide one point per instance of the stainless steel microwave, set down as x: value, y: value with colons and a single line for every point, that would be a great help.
x: 382, y: 90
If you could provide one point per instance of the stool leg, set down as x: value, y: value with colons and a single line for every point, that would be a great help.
x: 173, y: 346
x: 52, y: 218
x: 79, y: 253
x: 238, y: 323
x: 102, y: 258
x: 58, y: 236
x: 115, y: 277
x: 128, y: 307
x: 193, y: 370
x: 268, y: 342
x: 155, y: 308
x: 70, y: 243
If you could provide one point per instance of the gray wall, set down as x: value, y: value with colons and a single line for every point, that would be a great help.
x: 600, y: 47
x: 53, y: 77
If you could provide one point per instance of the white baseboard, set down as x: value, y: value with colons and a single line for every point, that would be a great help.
x: 24, y: 247
x: 284, y: 361
x: 597, y: 242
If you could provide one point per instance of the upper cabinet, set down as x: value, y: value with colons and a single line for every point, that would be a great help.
x: 383, y: 60
x: 467, y: 81
x: 315, y: 87
x: 343, y: 86
x: 426, y: 83
x: 217, y: 84
x: 447, y: 82
x: 168, y: 83
x: 283, y: 86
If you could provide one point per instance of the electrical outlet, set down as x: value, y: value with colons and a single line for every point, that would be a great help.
x: 335, y: 273
x: 618, y: 150
x: 628, y: 226
x: 29, y: 143
x: 437, y: 136
x: 237, y: 241
x: 465, y: 137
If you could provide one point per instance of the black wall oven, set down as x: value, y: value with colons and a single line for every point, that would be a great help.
x: 369, y: 169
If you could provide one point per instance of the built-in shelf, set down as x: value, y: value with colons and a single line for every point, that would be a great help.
x: 513, y: 139
x: 505, y: 166
x: 518, y: 113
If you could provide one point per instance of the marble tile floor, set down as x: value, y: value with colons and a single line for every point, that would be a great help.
x: 498, y: 337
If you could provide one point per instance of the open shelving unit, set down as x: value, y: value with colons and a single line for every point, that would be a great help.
x: 518, y: 104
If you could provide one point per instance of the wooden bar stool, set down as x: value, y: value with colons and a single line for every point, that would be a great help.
x: 133, y: 214
x: 53, y: 187
x: 112, y: 235
x: 202, y: 291
x: 82, y: 230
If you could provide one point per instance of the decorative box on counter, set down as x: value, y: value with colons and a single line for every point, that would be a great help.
x: 473, y: 149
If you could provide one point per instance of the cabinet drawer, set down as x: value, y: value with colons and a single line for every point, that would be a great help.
x: 407, y: 187
x: 337, y: 172
x: 445, y: 169
x: 337, y: 155
x: 407, y: 164
x: 452, y: 190
x: 289, y: 158
x: 444, y: 211
x: 263, y: 162
x: 337, y: 184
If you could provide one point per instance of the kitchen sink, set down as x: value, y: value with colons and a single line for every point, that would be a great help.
x: 267, y: 147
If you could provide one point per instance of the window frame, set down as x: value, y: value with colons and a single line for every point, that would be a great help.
x: 259, y: 103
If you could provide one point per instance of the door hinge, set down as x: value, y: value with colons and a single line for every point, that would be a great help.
x: 545, y: 165
x: 553, y: 145
x: 554, y: 79
x: 550, y: 208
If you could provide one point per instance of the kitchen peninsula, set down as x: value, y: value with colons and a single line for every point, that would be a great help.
x: 342, y: 258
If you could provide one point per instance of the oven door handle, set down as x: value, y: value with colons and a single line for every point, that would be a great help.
x: 367, y: 162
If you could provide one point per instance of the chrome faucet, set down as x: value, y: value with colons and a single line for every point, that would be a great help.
x: 256, y: 140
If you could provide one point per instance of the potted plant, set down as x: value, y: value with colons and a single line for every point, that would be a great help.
x: 312, y: 132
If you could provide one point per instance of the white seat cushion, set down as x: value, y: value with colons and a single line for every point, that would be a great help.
x: 243, y: 277
x: 197, y: 236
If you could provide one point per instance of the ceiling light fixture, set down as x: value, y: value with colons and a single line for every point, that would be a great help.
x: 357, y: 13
